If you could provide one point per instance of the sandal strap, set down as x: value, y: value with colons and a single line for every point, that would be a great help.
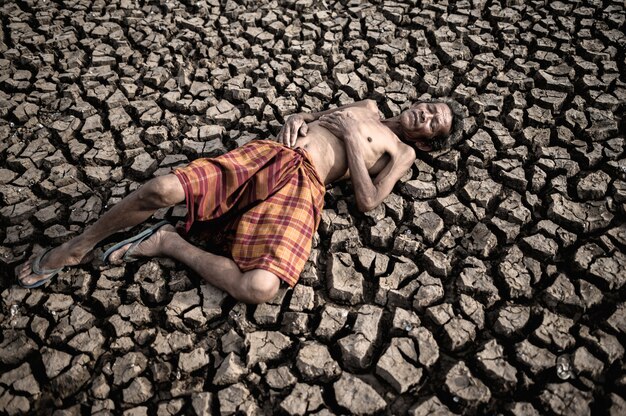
x: 128, y: 255
x: 36, y: 264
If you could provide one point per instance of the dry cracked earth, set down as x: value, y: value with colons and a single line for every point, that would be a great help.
x: 492, y: 280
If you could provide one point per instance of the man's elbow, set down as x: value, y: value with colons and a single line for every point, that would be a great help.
x: 366, y: 204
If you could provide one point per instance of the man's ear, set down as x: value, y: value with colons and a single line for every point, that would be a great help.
x: 423, y: 146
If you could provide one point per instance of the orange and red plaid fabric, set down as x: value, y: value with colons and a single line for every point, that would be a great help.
x: 273, y: 197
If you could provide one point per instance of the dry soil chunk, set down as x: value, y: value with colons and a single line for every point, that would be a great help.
x: 396, y: 369
x: 483, y: 192
x: 344, y: 282
x: 593, y: 186
x: 511, y: 318
x: 429, y: 224
x: 192, y: 361
x: 15, y: 347
x: 89, y: 342
x: 462, y: 384
x: 581, y: 217
x: 280, y: 378
x: 128, y: 367
x: 554, y: 330
x: 54, y: 361
x: 236, y: 399
x: 454, y: 212
x: 586, y: 363
x: 522, y: 409
x: 610, y: 269
x: 428, y: 350
x: 333, y: 319
x: 356, y: 396
x: 21, y: 380
x: 315, y: 363
x: 437, y: 262
x: 303, y: 400
x: 607, y: 345
x: 72, y: 381
x: 458, y: 332
x: 430, y: 407
x: 302, y: 299
x: 544, y: 248
x: 618, y: 406
x: 492, y: 361
x: 481, y: 241
x: 201, y: 403
x: 265, y: 345
x: 617, y: 321
x: 381, y: 234
x: 369, y: 259
x: 230, y: 371
x: 139, y: 391
x: 430, y: 291
x: 474, y: 310
x: 515, y: 274
x: 357, y: 348
x: 562, y: 293
x: 566, y: 400
x: 475, y: 280
x: 535, y: 358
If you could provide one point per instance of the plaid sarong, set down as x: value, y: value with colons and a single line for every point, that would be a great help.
x: 272, y: 199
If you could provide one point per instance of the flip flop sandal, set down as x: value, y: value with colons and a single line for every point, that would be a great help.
x: 135, y: 240
x: 35, y: 267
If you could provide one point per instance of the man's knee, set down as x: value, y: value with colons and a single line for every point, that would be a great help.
x: 260, y: 286
x: 162, y: 191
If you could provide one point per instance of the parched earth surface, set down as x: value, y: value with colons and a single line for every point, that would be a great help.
x: 492, y: 280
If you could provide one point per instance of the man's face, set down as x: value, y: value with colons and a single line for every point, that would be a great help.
x: 424, y: 121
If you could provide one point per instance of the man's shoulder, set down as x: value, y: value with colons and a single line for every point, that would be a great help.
x: 372, y: 106
x: 366, y: 109
x: 404, y: 151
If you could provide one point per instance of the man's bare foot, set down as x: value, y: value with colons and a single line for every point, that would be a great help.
x: 61, y: 256
x: 150, y: 247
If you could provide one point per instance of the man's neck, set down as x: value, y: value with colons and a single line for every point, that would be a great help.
x: 393, y: 124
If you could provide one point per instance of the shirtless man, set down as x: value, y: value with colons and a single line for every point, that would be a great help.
x: 337, y: 144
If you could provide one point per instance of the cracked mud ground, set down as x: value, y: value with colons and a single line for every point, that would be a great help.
x: 491, y: 281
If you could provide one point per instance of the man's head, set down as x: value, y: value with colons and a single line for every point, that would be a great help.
x: 432, y: 125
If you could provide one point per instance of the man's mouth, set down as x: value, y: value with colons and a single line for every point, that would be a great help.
x: 416, y: 118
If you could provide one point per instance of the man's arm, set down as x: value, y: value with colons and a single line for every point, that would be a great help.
x: 369, y: 104
x: 296, y: 123
x: 369, y: 193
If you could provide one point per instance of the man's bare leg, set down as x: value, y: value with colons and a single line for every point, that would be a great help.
x: 255, y: 286
x: 134, y: 209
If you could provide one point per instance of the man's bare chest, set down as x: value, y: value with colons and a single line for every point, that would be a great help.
x: 374, y: 144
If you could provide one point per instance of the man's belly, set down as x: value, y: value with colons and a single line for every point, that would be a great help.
x: 327, y: 153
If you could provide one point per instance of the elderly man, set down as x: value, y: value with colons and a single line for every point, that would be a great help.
x: 265, y: 198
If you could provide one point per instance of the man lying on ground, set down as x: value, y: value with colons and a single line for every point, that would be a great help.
x: 268, y: 195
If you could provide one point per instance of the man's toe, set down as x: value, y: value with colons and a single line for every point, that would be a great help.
x: 116, y: 256
x: 23, y: 270
x: 27, y: 278
x: 33, y: 278
x: 27, y: 281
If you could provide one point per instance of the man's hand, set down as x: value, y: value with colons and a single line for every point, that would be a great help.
x: 340, y: 124
x: 295, y: 126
